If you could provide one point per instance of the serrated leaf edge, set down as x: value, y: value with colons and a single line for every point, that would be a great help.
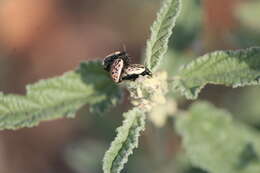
x: 123, y: 134
x: 186, y: 92
x: 155, y: 28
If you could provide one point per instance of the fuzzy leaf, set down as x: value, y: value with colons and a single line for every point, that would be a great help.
x: 231, y: 68
x: 161, y: 31
x: 125, y: 141
x: 216, y: 143
x: 58, y: 97
x: 102, y: 83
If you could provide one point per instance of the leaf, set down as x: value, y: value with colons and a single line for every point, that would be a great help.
x: 103, y: 84
x: 231, y: 68
x: 58, y: 97
x: 161, y: 31
x: 216, y: 143
x: 125, y: 141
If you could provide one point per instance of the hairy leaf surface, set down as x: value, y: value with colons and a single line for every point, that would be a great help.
x: 59, y: 97
x: 161, y: 31
x: 125, y: 141
x: 216, y: 143
x: 231, y: 68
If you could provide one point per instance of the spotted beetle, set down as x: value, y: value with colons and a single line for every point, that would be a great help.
x: 133, y: 71
x: 119, y: 67
x: 109, y: 59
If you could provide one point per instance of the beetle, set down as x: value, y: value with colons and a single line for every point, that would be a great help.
x: 116, y: 70
x: 133, y: 71
x: 119, y: 67
x: 109, y: 59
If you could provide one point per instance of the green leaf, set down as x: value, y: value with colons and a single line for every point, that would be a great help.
x: 161, y: 31
x: 231, y: 68
x: 125, y: 141
x: 92, y: 72
x: 59, y: 97
x: 216, y: 143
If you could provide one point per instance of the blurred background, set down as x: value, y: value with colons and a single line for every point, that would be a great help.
x: 43, y: 38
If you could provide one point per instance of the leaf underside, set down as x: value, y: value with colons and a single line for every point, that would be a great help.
x: 161, y: 31
x: 125, y: 141
x: 216, y: 143
x: 231, y: 68
x: 59, y: 97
